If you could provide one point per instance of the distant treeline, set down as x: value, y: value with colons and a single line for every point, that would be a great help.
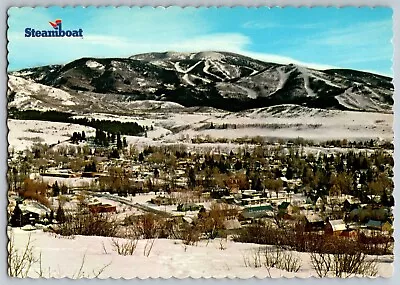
x: 114, y: 127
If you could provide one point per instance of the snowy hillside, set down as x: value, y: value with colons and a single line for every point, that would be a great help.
x: 25, y: 94
x: 30, y: 95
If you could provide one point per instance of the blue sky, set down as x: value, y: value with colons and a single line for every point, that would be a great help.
x: 357, y: 38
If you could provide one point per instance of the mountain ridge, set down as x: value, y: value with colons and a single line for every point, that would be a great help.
x: 221, y: 80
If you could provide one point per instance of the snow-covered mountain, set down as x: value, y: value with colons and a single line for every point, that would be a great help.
x: 214, y: 79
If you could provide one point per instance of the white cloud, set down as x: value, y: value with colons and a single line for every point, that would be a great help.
x: 110, y: 46
x: 285, y: 60
x: 261, y: 25
x: 60, y: 50
x: 367, y: 33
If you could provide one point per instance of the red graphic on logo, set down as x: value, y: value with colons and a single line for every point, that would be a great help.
x: 56, y: 23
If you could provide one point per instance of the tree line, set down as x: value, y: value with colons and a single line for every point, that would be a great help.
x: 123, y: 128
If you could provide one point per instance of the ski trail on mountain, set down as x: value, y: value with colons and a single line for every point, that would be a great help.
x: 179, y: 69
x: 186, y: 78
x: 306, y: 79
x: 221, y: 69
x: 206, y: 67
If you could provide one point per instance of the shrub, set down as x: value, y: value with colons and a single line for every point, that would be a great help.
x: 285, y: 260
x: 343, y: 258
x: 88, y: 224
x: 190, y: 234
x: 124, y: 247
x: 148, y: 226
x: 349, y: 263
x: 255, y: 260
x: 322, y: 263
x: 20, y: 261
x: 274, y: 257
x: 290, y: 262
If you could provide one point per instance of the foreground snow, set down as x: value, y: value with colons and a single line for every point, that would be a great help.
x: 63, y: 257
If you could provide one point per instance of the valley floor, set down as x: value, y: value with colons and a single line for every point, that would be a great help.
x: 285, y: 121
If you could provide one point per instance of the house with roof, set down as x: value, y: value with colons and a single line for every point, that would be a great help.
x: 285, y: 208
x: 351, y: 204
x: 232, y: 224
x: 256, y: 212
x: 335, y: 227
x: 387, y: 227
x: 313, y: 222
x: 379, y: 226
x: 31, y: 212
x: 99, y: 207
x: 319, y: 204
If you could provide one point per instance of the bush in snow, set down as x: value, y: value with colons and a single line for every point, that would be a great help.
x: 124, y: 247
x: 273, y: 257
x: 190, y: 234
x: 342, y: 259
x: 88, y: 224
x: 20, y: 260
x: 148, y: 226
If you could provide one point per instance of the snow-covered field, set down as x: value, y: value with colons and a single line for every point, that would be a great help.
x: 63, y: 257
x: 25, y: 133
x: 284, y: 121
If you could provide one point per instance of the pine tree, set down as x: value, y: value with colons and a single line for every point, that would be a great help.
x: 191, y: 178
x: 94, y: 168
x: 56, y: 189
x: 385, y: 199
x: 114, y: 153
x: 64, y: 189
x: 16, y: 218
x: 141, y: 157
x: 119, y: 142
x: 60, y: 216
x: 51, y: 218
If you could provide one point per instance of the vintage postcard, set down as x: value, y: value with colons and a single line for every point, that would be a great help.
x: 200, y: 142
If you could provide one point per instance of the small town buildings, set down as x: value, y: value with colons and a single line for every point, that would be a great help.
x: 379, y: 226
